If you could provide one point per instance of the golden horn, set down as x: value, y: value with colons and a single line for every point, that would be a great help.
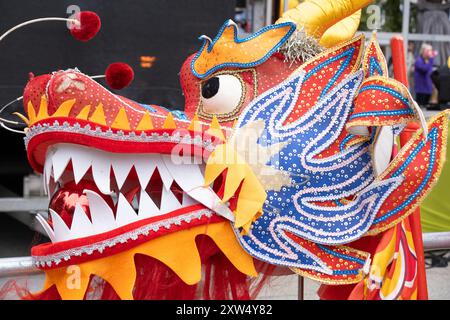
x: 317, y: 16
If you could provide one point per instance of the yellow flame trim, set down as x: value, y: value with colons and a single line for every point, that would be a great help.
x: 176, y: 250
x: 84, y: 113
x: 64, y: 109
x: 169, y: 123
x: 195, y: 124
x: 121, y: 121
x: 252, y: 194
x: 31, y: 112
x: 215, y: 129
x: 98, y: 116
x: 43, y: 109
x: 146, y: 122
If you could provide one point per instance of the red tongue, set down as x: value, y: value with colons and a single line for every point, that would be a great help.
x: 64, y: 200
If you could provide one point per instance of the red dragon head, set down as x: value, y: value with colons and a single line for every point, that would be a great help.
x: 321, y: 114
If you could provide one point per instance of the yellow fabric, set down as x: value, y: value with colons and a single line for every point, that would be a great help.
x: 43, y: 109
x: 31, y: 113
x: 318, y: 16
x: 99, y: 115
x: 252, y: 194
x: 215, y: 130
x: 226, y: 50
x: 342, y: 31
x: 391, y: 276
x: 84, y: 113
x: 169, y: 123
x: 435, y: 210
x: 176, y: 250
x: 121, y: 122
x: 195, y: 124
x: 64, y: 109
x: 145, y: 123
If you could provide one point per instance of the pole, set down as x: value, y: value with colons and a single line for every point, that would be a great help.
x: 269, y: 12
x: 301, y: 288
x: 405, y: 23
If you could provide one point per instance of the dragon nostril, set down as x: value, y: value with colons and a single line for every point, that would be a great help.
x: 210, y: 88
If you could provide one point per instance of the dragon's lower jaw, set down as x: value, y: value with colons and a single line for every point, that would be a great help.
x: 103, y: 203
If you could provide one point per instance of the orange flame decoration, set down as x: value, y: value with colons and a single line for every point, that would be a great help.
x: 227, y: 50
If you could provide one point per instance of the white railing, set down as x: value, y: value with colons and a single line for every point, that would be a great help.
x: 18, y: 266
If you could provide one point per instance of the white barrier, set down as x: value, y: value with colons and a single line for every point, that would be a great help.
x: 18, y: 266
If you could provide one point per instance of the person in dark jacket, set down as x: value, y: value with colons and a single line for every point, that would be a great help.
x: 423, y: 69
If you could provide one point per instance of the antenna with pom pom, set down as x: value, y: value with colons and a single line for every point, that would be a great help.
x: 118, y: 75
x: 83, y: 26
x: 89, y: 25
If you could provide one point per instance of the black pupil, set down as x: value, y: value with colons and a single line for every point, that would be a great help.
x: 210, y: 88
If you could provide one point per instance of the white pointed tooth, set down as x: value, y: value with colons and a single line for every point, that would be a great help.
x: 81, y: 225
x: 209, y: 199
x: 190, y: 178
x: 60, y: 159
x: 48, y: 230
x: 125, y: 213
x: 168, y: 201
x: 187, y: 200
x: 61, y: 230
x: 101, y: 214
x: 81, y: 162
x: 147, y: 208
x: 46, y: 174
x: 101, y: 168
x: 187, y: 176
x: 121, y: 165
x: 145, y: 166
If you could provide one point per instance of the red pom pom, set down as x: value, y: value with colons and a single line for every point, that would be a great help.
x: 119, y: 75
x: 87, y: 28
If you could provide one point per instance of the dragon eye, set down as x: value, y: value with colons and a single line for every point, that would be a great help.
x: 221, y: 94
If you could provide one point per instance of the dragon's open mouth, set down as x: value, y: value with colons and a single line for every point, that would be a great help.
x: 93, y: 191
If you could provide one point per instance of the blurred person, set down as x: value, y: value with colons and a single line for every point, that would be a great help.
x: 423, y: 69
x: 410, y: 61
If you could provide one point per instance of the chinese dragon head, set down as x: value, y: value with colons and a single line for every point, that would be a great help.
x: 283, y: 156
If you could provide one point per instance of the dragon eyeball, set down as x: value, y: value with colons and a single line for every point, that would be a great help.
x: 221, y: 94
